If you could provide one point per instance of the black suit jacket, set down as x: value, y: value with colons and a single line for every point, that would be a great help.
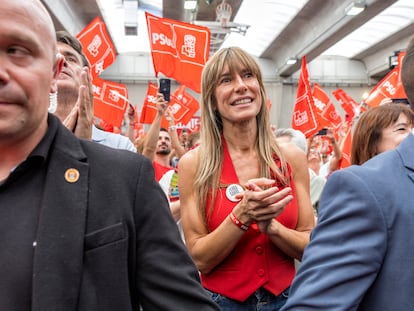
x: 107, y: 241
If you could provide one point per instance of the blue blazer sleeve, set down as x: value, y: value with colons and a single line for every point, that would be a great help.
x: 346, y: 249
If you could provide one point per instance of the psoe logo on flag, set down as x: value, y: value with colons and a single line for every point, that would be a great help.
x: 99, y: 67
x: 97, y: 90
x: 162, y: 39
x: 178, y: 111
x: 152, y: 99
x: 174, y: 108
x: 300, y: 118
x: 93, y: 47
x: 333, y: 115
x: 319, y: 104
x: 189, y: 47
x: 113, y: 96
x: 389, y: 88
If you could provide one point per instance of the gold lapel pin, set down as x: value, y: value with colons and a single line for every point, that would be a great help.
x: 72, y: 175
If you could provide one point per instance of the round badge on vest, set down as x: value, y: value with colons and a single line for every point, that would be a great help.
x: 231, y: 192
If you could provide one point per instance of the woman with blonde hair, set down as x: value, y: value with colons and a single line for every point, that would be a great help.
x: 245, y: 205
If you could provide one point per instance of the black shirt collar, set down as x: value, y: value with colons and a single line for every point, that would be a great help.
x: 42, y: 150
x: 40, y: 154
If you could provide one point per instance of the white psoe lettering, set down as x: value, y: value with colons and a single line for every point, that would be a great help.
x: 160, y: 38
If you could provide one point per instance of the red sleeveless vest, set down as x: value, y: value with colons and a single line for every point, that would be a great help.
x: 255, y: 261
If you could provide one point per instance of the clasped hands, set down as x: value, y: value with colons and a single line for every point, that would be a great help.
x: 261, y: 202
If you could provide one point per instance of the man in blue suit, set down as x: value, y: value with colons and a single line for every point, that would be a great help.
x: 361, y: 253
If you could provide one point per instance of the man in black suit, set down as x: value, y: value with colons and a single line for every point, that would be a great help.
x: 83, y: 226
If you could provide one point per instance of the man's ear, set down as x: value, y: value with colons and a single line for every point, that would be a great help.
x: 56, y: 71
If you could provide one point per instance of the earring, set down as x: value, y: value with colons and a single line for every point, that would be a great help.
x: 52, y: 102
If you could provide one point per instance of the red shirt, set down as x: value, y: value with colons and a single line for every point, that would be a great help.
x: 172, y: 191
x: 255, y: 261
x: 160, y: 170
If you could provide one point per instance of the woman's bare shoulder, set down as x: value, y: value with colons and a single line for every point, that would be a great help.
x: 293, y: 154
x: 189, y: 160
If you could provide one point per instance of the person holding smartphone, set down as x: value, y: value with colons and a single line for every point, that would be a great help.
x: 325, y: 153
x: 158, y: 146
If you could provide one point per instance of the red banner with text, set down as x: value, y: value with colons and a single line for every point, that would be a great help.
x: 326, y: 108
x: 97, y: 46
x: 110, y: 101
x: 179, y: 50
x: 388, y: 88
x: 304, y: 118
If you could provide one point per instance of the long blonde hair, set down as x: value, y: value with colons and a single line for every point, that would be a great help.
x: 211, y: 149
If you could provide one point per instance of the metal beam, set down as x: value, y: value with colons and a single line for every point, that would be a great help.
x: 318, y: 26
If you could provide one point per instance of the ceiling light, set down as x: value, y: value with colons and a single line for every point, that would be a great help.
x: 190, y: 5
x: 355, y: 8
x: 291, y: 61
x: 393, y: 60
x: 131, y: 17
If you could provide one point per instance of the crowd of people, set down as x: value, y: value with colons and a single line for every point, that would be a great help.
x: 235, y: 216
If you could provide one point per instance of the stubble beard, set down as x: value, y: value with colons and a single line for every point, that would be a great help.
x: 164, y: 152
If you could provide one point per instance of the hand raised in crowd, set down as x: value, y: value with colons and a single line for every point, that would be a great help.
x: 330, y: 134
x: 131, y: 114
x: 130, y: 133
x: 162, y: 104
x: 80, y: 119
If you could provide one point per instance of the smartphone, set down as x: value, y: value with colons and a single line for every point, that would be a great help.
x: 322, y: 132
x: 165, y: 88
x: 400, y: 101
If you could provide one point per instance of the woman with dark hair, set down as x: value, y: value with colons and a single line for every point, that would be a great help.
x: 380, y: 129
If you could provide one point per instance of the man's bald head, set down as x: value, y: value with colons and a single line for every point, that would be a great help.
x: 37, y: 17
x: 28, y: 55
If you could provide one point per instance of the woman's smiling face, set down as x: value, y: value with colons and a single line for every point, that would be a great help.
x: 394, y: 134
x: 237, y: 94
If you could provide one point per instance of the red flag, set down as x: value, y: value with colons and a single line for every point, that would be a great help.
x: 149, y: 108
x: 304, y: 117
x: 110, y: 101
x: 193, y: 125
x: 346, y: 149
x: 105, y: 125
x: 326, y: 108
x: 139, y: 131
x: 179, y: 50
x: 97, y: 46
x: 182, y: 105
x: 350, y: 106
x: 389, y: 87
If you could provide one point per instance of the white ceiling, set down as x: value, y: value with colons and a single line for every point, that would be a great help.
x: 277, y: 29
x: 390, y: 21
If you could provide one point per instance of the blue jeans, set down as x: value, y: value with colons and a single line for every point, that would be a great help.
x: 261, y: 300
